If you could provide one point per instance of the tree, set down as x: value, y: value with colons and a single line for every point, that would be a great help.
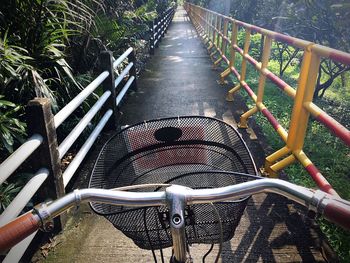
x: 285, y: 55
x: 332, y: 71
x: 321, y: 22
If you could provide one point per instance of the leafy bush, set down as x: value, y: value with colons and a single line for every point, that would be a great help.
x: 7, y: 193
x: 11, y: 129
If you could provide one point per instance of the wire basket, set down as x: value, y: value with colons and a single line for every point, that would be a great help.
x: 197, y: 152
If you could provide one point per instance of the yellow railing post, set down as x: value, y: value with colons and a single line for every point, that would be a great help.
x: 244, y: 61
x: 201, y: 21
x: 300, y: 115
x: 210, y: 26
x: 304, y: 93
x: 223, y: 41
x: 264, y: 64
x: 233, y: 43
x: 227, y: 72
x: 206, y: 26
x: 215, y: 35
x: 245, y: 52
x: 261, y: 86
x: 219, y: 30
x: 217, y: 42
x: 213, y: 28
x: 202, y: 15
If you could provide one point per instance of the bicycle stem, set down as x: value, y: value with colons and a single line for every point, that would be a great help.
x: 176, y: 202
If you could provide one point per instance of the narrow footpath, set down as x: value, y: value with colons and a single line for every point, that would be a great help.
x: 179, y: 80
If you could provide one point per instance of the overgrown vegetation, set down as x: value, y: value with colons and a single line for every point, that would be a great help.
x: 48, y: 48
x: 51, y: 48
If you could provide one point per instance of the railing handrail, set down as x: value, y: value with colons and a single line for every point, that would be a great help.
x: 119, y: 60
x: 67, y: 110
x: 210, y: 23
x: 79, y: 128
x: 159, y: 27
x: 12, y: 162
x: 16, y: 159
x: 74, y: 165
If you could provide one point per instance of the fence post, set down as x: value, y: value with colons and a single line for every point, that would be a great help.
x: 40, y: 120
x: 160, y: 31
x: 106, y: 62
x: 167, y: 21
x: 151, y: 40
x: 163, y: 23
x: 157, y: 32
x: 305, y: 91
x: 133, y: 72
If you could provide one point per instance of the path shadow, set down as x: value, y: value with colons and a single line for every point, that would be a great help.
x: 275, y: 226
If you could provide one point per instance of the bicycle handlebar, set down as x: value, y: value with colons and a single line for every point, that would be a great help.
x: 338, y: 213
x: 18, y: 229
x: 334, y: 209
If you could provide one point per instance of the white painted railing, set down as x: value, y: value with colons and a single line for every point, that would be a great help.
x: 29, y: 148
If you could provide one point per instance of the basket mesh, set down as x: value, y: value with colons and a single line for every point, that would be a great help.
x: 176, y: 151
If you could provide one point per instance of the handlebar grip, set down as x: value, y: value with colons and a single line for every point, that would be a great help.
x: 338, y: 213
x: 18, y: 229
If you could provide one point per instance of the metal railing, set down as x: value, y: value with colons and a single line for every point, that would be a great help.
x: 221, y: 34
x: 42, y: 145
x: 158, y: 28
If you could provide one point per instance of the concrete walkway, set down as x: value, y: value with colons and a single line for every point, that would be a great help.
x: 179, y: 80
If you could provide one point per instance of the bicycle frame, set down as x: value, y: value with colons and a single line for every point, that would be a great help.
x: 175, y: 198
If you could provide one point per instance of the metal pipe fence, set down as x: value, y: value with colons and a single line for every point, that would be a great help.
x: 49, y: 181
x: 158, y: 28
x: 220, y: 33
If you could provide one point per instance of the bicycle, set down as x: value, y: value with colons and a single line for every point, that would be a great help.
x: 199, y: 175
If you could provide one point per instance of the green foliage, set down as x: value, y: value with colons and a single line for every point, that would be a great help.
x: 117, y: 33
x: 41, y: 30
x: 339, y: 239
x: 7, y: 193
x: 254, y: 46
x: 42, y: 43
x: 9, y: 189
x: 11, y: 129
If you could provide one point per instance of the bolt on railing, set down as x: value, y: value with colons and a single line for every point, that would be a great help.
x: 215, y: 28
